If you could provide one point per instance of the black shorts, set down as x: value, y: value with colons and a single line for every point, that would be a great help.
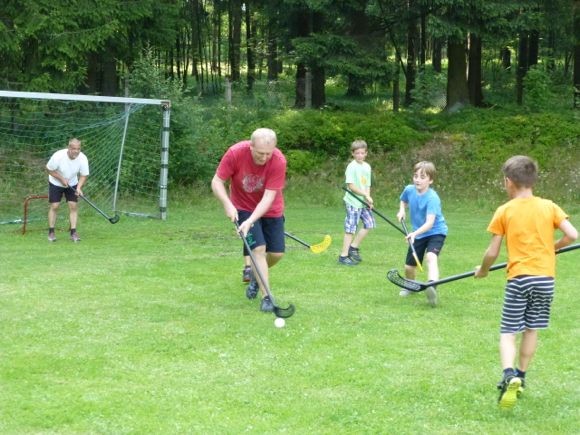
x: 55, y: 193
x: 432, y: 243
x: 266, y: 231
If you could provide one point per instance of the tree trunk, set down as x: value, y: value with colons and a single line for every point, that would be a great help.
x: 396, y: 82
x: 576, y: 73
x: 522, y: 67
x: 272, y: 53
x: 250, y: 48
x: 436, y: 58
x: 235, y: 38
x: 534, y: 47
x: 506, y: 58
x: 412, y: 35
x: 300, y: 98
x: 474, y: 78
x: 457, y: 92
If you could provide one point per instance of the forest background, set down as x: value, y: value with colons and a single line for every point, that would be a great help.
x: 463, y: 83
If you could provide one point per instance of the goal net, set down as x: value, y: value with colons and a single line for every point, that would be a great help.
x: 125, y: 139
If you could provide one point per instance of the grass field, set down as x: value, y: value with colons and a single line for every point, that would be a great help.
x: 143, y: 327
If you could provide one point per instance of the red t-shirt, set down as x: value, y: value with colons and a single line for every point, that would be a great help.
x: 248, y: 180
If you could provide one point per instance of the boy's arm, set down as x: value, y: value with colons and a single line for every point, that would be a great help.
x: 401, y: 213
x: 366, y: 194
x: 489, y: 257
x: 570, y: 234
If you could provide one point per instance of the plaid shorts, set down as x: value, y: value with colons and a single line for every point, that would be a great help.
x: 527, y: 303
x: 354, y: 214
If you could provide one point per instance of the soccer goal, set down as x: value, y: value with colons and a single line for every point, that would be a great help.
x: 125, y: 139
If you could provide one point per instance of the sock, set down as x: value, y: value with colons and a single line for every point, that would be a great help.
x: 72, y: 231
x: 520, y: 374
x: 51, y: 230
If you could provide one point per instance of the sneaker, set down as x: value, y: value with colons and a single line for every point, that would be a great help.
x: 247, y: 274
x: 508, y: 395
x: 75, y: 237
x: 252, y: 289
x: 51, y: 237
x: 431, y: 296
x: 404, y: 293
x: 346, y: 261
x: 354, y: 254
x: 267, y: 305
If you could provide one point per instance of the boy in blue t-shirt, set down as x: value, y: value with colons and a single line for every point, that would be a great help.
x: 429, y: 227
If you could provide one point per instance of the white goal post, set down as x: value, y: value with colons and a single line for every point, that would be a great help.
x: 125, y: 139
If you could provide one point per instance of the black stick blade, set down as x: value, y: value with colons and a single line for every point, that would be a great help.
x: 407, y: 284
x: 284, y: 312
x: 114, y: 219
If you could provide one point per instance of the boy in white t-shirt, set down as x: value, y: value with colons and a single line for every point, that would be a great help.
x: 358, y: 181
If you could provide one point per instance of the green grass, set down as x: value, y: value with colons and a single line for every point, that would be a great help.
x: 143, y: 327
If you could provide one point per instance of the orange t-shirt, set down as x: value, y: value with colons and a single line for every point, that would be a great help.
x: 528, y: 225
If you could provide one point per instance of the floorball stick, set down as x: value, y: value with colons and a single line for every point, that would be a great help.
x: 113, y: 219
x: 317, y: 248
x: 375, y: 211
x: 417, y: 286
x: 278, y: 311
x: 415, y: 256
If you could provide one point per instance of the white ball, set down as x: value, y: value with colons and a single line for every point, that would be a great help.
x: 279, y: 322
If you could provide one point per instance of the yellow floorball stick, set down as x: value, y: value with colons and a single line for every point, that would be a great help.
x: 316, y: 248
x: 411, y: 245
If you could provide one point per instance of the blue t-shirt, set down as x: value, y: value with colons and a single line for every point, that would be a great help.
x: 422, y: 205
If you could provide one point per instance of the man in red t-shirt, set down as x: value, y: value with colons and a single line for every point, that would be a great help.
x: 256, y: 172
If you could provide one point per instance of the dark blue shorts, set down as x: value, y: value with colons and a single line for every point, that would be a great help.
x: 432, y: 243
x: 55, y: 193
x: 266, y: 231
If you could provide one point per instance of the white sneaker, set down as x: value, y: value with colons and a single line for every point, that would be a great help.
x: 431, y: 296
x: 404, y: 293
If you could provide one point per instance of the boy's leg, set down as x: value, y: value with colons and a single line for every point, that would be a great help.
x: 350, y: 226
x: 527, y: 348
x: 346, y: 241
x: 359, y: 237
x: 507, y: 350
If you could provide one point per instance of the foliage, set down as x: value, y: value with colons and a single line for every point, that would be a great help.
x: 537, y: 86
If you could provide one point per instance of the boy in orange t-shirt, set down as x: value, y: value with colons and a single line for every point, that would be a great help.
x: 528, y: 224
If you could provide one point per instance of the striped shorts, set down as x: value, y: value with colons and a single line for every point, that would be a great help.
x: 354, y: 214
x: 527, y: 303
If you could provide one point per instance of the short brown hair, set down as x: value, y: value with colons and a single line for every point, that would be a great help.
x: 427, y: 167
x: 358, y: 144
x: 521, y: 170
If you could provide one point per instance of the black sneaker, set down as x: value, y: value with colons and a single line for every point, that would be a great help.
x: 252, y: 289
x: 247, y: 274
x: 354, y: 254
x: 508, y: 395
x: 346, y: 261
x: 267, y: 306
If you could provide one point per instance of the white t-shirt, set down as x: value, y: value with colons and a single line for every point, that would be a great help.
x: 68, y: 168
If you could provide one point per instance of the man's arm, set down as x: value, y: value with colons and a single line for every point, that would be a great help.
x: 58, y: 176
x: 218, y: 186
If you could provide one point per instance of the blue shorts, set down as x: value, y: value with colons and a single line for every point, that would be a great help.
x: 265, y: 231
x: 354, y: 214
x: 527, y: 303
x: 55, y: 193
x: 432, y: 244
